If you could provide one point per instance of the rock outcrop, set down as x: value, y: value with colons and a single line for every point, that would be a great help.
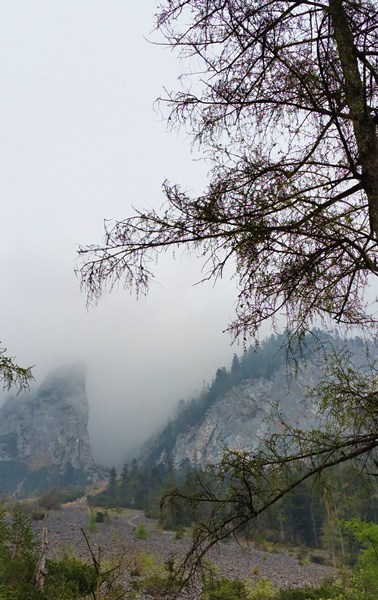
x: 243, y: 416
x: 262, y: 390
x: 43, y: 436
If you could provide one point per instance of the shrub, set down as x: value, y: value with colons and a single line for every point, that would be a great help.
x: 92, y: 524
x: 50, y: 500
x: 224, y: 589
x: 37, y: 513
x: 102, y: 517
x: 261, y: 589
x: 18, y: 557
x: 318, y: 559
x: 346, y: 587
x: 157, y: 578
x: 70, y: 574
x: 367, y: 565
x: 141, y: 532
x: 303, y: 555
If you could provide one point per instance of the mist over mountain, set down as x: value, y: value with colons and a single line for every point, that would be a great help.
x: 262, y: 388
x: 44, y: 438
x: 44, y: 441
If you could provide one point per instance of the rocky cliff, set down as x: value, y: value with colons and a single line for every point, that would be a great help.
x: 237, y: 420
x: 240, y: 418
x: 247, y: 402
x: 43, y: 436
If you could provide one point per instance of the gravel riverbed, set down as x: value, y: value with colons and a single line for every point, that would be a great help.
x: 117, y: 536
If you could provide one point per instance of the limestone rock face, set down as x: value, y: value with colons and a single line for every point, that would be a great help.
x: 240, y: 418
x: 44, y: 437
x: 237, y: 420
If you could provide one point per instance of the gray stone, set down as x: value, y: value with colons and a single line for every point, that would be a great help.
x: 48, y: 429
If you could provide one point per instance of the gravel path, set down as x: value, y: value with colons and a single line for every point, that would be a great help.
x: 117, y: 537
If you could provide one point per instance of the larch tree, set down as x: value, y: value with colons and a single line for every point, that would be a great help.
x: 12, y: 375
x: 282, y: 97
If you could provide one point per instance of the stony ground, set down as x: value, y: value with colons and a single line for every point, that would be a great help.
x: 116, y: 538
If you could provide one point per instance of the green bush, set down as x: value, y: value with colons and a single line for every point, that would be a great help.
x: 51, y: 500
x: 141, y: 532
x: 71, y: 575
x: 157, y: 578
x: 317, y: 559
x: 102, y: 516
x: 92, y: 523
x: 367, y: 564
x: 38, y: 515
x: 18, y: 558
x: 261, y: 589
x: 224, y: 589
x: 346, y: 587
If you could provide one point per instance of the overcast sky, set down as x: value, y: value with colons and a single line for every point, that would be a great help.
x: 80, y: 141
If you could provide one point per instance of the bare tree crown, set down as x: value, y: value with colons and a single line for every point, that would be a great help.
x: 282, y: 98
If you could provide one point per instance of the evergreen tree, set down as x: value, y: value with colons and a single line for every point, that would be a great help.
x: 125, y: 476
x: 111, y: 489
x: 235, y: 370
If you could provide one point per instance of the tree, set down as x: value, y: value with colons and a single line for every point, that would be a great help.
x: 282, y: 96
x: 249, y: 483
x: 125, y: 477
x: 13, y: 375
x: 111, y: 489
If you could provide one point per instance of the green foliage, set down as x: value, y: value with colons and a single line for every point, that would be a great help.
x: 72, y: 576
x: 51, y: 500
x: 261, y: 589
x: 102, y: 517
x: 162, y: 584
x: 147, y: 564
x: 18, y: 556
x: 153, y: 576
x: 141, y: 532
x: 367, y: 565
x: 274, y: 483
x: 71, y: 579
x: 347, y: 586
x: 30, y: 508
x: 92, y: 523
x: 12, y: 374
x: 224, y: 589
x: 21, y: 537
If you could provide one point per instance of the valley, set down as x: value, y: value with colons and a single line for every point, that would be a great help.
x: 103, y: 522
x: 117, y: 539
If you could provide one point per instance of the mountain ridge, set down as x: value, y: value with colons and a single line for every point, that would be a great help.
x: 262, y: 388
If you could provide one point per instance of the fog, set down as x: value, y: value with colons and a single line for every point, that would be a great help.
x: 82, y: 140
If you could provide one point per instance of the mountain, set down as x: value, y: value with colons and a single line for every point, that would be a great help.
x: 44, y: 438
x: 244, y: 403
x: 242, y: 416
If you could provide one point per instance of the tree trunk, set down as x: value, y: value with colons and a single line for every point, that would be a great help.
x: 364, y: 126
x: 40, y: 570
